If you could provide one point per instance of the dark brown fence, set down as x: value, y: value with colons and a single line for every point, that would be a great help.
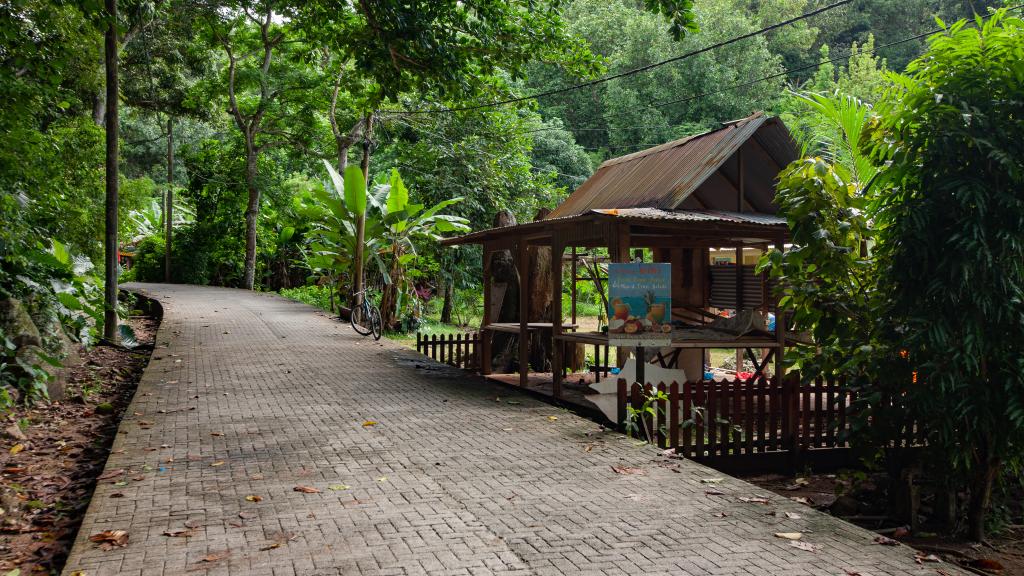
x: 708, y: 420
x: 459, y: 350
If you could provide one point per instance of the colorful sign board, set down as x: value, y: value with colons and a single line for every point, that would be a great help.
x: 640, y: 304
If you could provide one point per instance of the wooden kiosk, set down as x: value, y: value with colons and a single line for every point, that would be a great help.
x: 680, y: 200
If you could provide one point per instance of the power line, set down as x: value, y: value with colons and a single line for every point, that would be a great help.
x: 631, y: 72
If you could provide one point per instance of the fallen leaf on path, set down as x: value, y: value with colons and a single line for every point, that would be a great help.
x: 246, y: 515
x: 271, y: 546
x: 369, y: 423
x: 921, y: 558
x: 382, y: 479
x: 714, y: 492
x: 17, y: 448
x: 801, y: 500
x: 789, y: 535
x: 793, y: 516
x: 722, y: 514
x: 803, y: 546
x: 627, y: 470
x: 254, y: 498
x: 754, y: 499
x: 217, y: 463
x: 307, y: 489
x: 215, y: 556
x: 552, y: 418
x: 337, y: 487
x: 110, y: 538
x: 193, y: 524
x: 216, y: 433
x: 513, y: 402
x: 886, y: 541
x: 986, y: 564
x: 110, y: 474
x: 178, y: 533
x: 710, y: 480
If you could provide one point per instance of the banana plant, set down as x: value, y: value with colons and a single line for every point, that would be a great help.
x: 394, y: 229
x: 148, y: 221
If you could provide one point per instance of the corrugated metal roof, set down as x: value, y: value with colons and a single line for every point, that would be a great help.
x: 664, y: 176
x: 696, y: 216
x: 634, y: 214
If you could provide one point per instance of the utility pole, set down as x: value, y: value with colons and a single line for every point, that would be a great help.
x: 110, y: 240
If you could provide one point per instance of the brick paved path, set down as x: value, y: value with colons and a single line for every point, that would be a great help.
x: 254, y: 395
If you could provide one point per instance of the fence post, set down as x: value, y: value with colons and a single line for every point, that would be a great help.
x: 621, y: 423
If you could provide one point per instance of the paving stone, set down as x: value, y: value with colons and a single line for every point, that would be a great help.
x: 256, y: 394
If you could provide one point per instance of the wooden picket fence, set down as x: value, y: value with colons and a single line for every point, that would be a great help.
x: 758, y: 420
x: 459, y: 350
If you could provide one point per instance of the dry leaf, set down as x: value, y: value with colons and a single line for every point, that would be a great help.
x: 369, y: 423
x: 921, y: 558
x: 216, y: 433
x: 627, y: 470
x: 193, y: 524
x: 886, y: 541
x: 382, y: 479
x: 111, y: 537
x: 271, y: 546
x: 803, y: 546
x: 710, y: 480
x: 307, y: 489
x: 789, y: 535
x: 337, y: 487
x: 552, y: 418
x: 714, y: 492
x: 111, y: 474
x: 754, y: 499
x: 793, y: 516
x: 17, y: 448
x: 801, y: 500
x: 217, y: 463
x: 254, y: 498
x: 178, y: 533
x: 246, y: 515
x: 215, y: 556
x: 987, y: 565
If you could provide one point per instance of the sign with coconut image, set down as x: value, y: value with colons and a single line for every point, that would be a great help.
x: 640, y: 304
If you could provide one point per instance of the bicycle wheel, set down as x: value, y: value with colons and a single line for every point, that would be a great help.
x: 360, y: 320
x: 376, y: 324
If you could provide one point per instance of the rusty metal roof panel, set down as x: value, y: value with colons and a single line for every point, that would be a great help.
x: 660, y: 177
x: 695, y: 216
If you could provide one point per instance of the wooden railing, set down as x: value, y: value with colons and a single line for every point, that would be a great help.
x: 709, y: 419
x: 459, y: 350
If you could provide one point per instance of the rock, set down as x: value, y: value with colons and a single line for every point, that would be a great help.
x: 13, y: 432
x: 844, y: 506
x: 17, y: 324
x: 104, y: 408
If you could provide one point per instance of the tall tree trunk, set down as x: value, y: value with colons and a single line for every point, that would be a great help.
x: 110, y: 243
x: 358, y: 264
x: 505, y: 349
x: 252, y: 212
x: 539, y: 285
x: 169, y: 208
x: 981, y: 497
x: 446, y: 308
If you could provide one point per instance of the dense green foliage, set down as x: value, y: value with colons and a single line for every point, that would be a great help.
x: 908, y: 250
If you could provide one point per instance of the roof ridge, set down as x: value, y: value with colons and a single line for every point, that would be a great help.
x: 681, y: 141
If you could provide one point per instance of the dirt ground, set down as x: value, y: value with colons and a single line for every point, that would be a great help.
x: 860, y: 498
x: 48, y: 476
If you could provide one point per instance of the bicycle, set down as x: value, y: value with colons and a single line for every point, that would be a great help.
x: 365, y: 317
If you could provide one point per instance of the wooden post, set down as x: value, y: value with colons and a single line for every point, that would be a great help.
x: 575, y: 295
x: 485, y: 334
x: 557, y: 247
x: 790, y: 393
x: 739, y: 300
x: 618, y: 251
x: 523, y: 265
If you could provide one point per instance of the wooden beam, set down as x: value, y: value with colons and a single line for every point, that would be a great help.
x: 485, y: 334
x: 523, y: 266
x: 557, y: 247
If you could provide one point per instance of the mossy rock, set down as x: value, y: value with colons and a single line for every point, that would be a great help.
x: 104, y: 408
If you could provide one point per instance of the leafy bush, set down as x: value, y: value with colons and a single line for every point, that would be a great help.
x: 319, y: 296
x: 149, y: 260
